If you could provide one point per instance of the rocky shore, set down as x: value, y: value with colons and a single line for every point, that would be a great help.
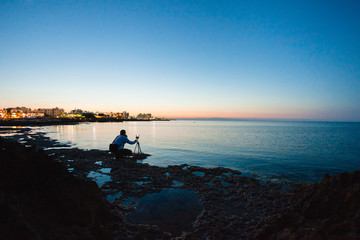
x: 40, y: 199
x: 329, y: 209
x: 53, y: 191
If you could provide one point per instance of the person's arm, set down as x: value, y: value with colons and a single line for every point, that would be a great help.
x: 130, y: 142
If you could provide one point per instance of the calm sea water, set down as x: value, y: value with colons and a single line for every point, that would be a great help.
x: 297, y: 151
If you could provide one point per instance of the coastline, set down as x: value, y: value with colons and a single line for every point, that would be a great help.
x: 234, y: 206
x: 66, y: 121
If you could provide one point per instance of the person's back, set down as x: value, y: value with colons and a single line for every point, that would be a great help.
x: 120, y: 141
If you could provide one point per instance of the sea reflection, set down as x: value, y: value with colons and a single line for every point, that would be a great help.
x: 300, y: 151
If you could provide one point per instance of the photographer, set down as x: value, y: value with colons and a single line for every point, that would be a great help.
x: 120, y: 141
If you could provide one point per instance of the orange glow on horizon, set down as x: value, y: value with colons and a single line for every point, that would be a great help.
x: 256, y: 112
x: 234, y: 116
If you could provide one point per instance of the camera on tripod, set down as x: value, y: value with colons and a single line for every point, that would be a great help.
x: 137, y: 149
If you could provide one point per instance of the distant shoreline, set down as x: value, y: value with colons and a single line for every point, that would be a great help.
x: 65, y: 121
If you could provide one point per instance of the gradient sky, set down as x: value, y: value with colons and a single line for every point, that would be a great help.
x: 239, y: 59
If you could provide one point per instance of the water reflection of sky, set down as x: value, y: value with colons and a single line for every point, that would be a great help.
x: 99, y: 178
x: 172, y: 210
x: 295, y: 150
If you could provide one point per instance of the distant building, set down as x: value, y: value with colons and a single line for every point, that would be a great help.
x: 20, y: 110
x: 34, y: 115
x: 101, y: 115
x: 144, y: 116
x: 125, y: 115
x: 52, y: 112
x: 3, y: 113
x: 111, y: 114
x: 77, y: 111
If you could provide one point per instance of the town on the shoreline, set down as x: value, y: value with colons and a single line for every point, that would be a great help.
x: 19, y: 113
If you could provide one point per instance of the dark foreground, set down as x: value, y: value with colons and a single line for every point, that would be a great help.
x: 49, y: 194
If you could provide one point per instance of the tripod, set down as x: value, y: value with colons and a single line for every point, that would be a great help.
x: 137, y: 149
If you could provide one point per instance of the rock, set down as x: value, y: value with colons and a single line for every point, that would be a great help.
x: 39, y: 199
x: 329, y: 209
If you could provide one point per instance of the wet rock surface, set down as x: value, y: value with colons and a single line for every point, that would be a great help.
x: 233, y: 206
x: 231, y: 203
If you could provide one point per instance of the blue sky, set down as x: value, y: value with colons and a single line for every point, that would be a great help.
x: 252, y: 59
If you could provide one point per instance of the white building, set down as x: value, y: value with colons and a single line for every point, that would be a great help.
x: 52, y: 112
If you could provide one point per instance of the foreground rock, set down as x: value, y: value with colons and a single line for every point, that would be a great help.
x: 329, y: 209
x: 39, y: 199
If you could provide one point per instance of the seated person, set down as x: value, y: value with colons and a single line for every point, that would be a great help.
x: 120, y: 141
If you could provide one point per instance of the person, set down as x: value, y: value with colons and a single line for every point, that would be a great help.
x: 120, y: 140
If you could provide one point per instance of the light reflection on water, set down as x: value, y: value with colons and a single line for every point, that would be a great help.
x: 300, y: 151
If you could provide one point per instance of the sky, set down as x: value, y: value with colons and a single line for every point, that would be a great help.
x: 232, y: 59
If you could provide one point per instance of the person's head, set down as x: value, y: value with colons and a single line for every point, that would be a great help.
x: 123, y: 132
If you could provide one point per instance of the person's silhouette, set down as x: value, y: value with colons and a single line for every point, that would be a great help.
x: 120, y: 140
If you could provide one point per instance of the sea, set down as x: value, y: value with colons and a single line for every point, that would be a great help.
x: 298, y: 151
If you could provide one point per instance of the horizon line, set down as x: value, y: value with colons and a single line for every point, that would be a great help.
x: 263, y: 119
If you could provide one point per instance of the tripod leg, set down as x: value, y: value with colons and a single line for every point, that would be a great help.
x: 137, y: 148
x: 140, y: 152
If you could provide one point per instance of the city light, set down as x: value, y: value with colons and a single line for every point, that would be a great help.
x: 40, y: 113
